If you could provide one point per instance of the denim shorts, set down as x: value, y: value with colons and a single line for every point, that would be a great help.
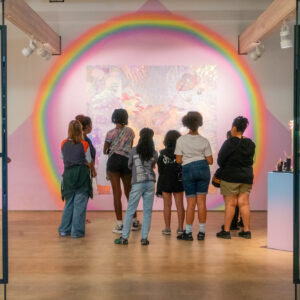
x: 196, y: 178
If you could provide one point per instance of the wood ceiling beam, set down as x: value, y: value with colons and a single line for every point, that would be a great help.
x: 270, y: 20
x: 26, y: 19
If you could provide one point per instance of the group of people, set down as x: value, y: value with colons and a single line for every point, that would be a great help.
x: 183, y: 166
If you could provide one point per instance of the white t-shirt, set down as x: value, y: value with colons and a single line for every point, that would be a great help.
x: 192, y: 148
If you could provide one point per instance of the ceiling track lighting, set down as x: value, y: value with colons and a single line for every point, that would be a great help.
x: 257, y: 52
x: 42, y: 52
x: 27, y: 51
x: 285, y: 36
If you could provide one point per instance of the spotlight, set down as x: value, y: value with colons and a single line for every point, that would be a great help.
x: 42, y: 52
x: 27, y: 51
x: 285, y: 38
x: 258, y: 51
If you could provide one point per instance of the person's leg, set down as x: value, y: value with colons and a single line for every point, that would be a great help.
x: 133, y: 202
x: 148, y: 198
x: 202, y: 212
x: 230, y: 204
x: 167, y: 197
x: 79, y: 213
x: 67, y: 217
x: 126, y: 180
x: 114, y: 178
x: 180, y: 209
x: 235, y: 219
x: 243, y: 202
x: 190, y: 212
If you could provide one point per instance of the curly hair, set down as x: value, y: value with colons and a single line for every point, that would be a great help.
x: 240, y: 123
x: 145, y: 147
x: 171, y: 138
x: 120, y: 116
x: 192, y: 120
x: 75, y: 132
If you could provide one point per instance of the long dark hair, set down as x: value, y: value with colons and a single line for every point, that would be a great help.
x: 145, y: 146
x: 170, y: 139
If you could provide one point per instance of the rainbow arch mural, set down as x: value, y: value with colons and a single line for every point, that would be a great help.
x: 160, y: 21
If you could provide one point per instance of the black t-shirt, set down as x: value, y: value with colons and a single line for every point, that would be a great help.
x: 235, y: 159
x: 170, y: 173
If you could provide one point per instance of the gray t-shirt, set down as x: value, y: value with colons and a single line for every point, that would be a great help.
x: 141, y: 171
x: 192, y: 148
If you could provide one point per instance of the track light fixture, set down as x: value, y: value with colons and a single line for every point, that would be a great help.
x: 27, y: 51
x: 285, y: 37
x: 257, y: 51
x: 42, y: 52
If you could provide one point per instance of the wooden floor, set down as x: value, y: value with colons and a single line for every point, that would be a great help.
x: 45, y: 266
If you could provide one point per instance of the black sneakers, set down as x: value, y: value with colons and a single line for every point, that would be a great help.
x: 144, y: 242
x: 245, y: 234
x: 121, y: 241
x: 224, y: 235
x: 185, y: 236
x: 201, y: 236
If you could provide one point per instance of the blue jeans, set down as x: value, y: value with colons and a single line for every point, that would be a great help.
x: 73, y: 218
x: 146, y: 190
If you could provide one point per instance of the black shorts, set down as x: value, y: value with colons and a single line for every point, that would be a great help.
x: 118, y: 164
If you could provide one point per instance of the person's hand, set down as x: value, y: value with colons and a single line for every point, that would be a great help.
x: 94, y: 174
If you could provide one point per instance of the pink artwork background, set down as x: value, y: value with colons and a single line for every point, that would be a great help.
x: 27, y: 188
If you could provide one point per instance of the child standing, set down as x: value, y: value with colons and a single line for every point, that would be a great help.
x: 76, y: 184
x: 142, y: 161
x: 170, y: 182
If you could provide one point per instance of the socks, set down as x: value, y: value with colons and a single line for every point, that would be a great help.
x: 202, y: 227
x: 119, y: 222
x: 188, y: 228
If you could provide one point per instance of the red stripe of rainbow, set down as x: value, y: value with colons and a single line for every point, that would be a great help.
x: 139, y: 21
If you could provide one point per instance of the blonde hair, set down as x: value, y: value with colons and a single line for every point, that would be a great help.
x: 75, y: 132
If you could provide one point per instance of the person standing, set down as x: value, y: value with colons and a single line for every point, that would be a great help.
x: 142, y: 161
x: 170, y: 182
x: 193, y: 151
x: 118, y: 144
x: 236, y: 160
x: 76, y: 183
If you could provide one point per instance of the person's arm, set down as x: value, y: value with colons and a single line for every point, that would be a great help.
x: 178, y: 152
x: 90, y: 163
x: 179, y: 159
x: 106, y: 147
x: 224, y: 153
x: 155, y: 159
x: 130, y: 160
x: 209, y: 159
x: 160, y: 164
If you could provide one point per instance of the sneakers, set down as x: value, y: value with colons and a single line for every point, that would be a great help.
x: 135, y: 226
x: 201, y: 236
x: 64, y: 234
x: 121, y: 241
x: 232, y: 227
x: 185, y: 236
x: 118, y: 229
x: 224, y: 235
x: 179, y: 231
x: 144, y: 242
x: 245, y: 234
x: 166, y: 231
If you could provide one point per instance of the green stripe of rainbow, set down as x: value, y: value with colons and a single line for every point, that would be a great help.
x: 138, y: 21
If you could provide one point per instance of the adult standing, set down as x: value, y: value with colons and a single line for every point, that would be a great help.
x: 193, y: 151
x: 236, y: 160
x: 118, y: 145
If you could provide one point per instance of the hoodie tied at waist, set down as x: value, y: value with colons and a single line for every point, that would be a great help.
x: 76, y: 179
